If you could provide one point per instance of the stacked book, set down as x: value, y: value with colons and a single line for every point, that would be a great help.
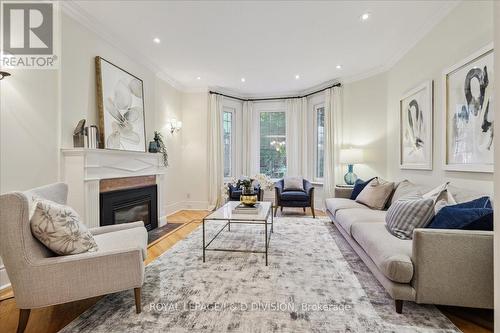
x: 244, y: 209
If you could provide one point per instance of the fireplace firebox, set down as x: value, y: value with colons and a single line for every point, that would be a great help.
x: 130, y: 205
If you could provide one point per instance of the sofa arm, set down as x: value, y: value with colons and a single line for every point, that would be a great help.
x: 116, y: 227
x: 453, y: 267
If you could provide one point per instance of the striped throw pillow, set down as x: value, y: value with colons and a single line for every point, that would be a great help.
x: 409, y: 213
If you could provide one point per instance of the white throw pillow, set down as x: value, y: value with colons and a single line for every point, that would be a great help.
x: 58, y: 227
x: 376, y: 194
x: 441, y: 197
x: 293, y: 184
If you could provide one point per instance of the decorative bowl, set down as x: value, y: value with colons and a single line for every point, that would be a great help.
x: 248, y: 199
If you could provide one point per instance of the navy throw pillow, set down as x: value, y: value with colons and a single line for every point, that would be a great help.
x: 483, y: 202
x: 473, y: 215
x: 359, y: 185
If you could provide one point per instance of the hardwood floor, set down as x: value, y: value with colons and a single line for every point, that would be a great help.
x: 53, y: 318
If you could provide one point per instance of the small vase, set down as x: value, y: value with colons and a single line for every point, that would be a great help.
x: 153, y: 147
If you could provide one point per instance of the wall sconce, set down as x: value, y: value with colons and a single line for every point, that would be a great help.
x: 174, y: 125
x: 3, y: 75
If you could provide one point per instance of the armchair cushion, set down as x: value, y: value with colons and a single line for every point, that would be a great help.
x: 59, y: 228
x: 294, y: 196
x: 124, y: 239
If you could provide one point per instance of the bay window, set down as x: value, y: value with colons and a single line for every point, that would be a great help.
x: 319, y: 141
x: 273, y: 143
x: 228, y: 142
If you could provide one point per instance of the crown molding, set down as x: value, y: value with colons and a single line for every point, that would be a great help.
x: 417, y: 37
x: 77, y: 13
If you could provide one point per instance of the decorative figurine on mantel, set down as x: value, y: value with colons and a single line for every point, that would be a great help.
x: 79, y: 135
x: 158, y: 146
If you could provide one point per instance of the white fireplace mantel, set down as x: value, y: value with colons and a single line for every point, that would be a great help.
x: 83, y: 168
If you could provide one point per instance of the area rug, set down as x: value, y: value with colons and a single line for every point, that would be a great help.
x: 310, y: 285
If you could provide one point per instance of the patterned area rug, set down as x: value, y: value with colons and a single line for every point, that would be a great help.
x: 314, y: 283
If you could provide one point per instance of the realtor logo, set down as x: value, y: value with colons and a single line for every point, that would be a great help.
x: 28, y: 35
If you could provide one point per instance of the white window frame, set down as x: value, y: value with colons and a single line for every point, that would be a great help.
x: 315, y: 140
x: 227, y: 109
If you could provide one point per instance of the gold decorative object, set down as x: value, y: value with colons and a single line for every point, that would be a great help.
x: 248, y: 199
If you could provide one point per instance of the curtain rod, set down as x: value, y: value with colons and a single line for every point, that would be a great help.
x: 274, y: 98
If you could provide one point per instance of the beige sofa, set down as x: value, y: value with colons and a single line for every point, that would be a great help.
x: 448, y: 267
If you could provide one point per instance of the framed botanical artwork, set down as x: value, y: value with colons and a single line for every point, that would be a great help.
x: 415, y: 128
x: 120, y: 102
x: 469, y: 113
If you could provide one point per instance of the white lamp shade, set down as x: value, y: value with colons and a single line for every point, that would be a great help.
x: 351, y: 156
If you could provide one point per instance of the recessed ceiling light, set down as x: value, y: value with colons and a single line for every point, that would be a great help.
x: 156, y: 40
x: 198, y: 78
x: 297, y: 76
x: 338, y: 66
x: 243, y: 79
x: 365, y: 16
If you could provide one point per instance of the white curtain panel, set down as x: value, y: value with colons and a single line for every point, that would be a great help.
x: 296, y: 136
x: 215, y: 151
x: 333, y: 139
x: 249, y: 138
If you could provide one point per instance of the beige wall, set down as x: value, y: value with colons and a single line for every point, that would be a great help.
x: 169, y: 106
x: 29, y: 129
x: 497, y: 174
x: 194, y: 150
x: 162, y: 101
x: 79, y: 48
x: 29, y: 132
x: 365, y: 123
x: 465, y: 30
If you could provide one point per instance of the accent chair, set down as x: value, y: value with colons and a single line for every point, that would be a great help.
x: 235, y: 192
x: 294, y: 198
x: 41, y: 278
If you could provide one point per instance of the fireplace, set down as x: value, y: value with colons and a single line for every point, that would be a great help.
x: 129, y: 205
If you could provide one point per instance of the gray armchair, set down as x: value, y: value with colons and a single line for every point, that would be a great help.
x: 40, y: 278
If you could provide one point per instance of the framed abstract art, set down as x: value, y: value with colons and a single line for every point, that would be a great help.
x: 415, y: 128
x: 468, y: 113
x: 120, y: 103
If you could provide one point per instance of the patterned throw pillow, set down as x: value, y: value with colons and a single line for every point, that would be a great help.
x: 407, y: 214
x: 58, y: 227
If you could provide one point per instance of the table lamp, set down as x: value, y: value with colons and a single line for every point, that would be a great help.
x: 350, y: 157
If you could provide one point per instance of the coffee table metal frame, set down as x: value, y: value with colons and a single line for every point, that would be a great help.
x: 241, y: 218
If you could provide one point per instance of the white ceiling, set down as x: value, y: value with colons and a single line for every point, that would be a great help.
x: 268, y: 43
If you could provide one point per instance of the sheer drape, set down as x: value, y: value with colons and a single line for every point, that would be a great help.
x: 250, y: 134
x: 333, y: 139
x: 296, y: 136
x: 215, y: 151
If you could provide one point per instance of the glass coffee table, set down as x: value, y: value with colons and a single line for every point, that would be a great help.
x: 225, y: 213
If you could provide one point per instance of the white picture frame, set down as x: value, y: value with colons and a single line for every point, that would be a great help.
x: 416, y: 114
x: 466, y: 145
